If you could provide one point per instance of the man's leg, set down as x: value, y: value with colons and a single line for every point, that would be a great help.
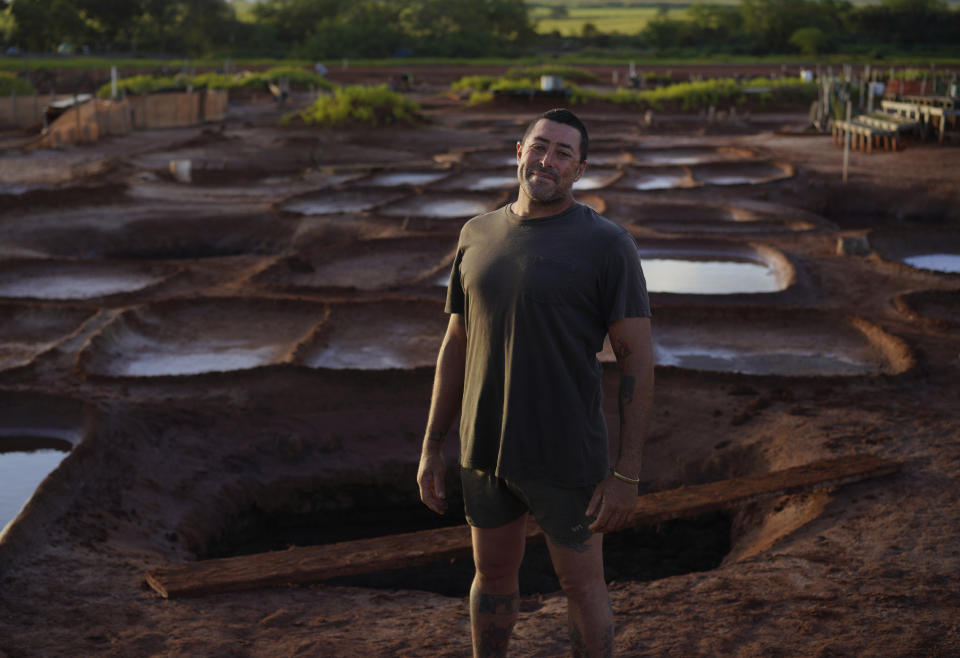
x: 495, y: 594
x: 580, y: 571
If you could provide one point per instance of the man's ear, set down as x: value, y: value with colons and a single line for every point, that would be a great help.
x: 583, y: 168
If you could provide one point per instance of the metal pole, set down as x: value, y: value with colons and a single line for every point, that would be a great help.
x: 846, y: 145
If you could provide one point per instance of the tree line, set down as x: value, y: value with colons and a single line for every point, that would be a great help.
x: 326, y: 29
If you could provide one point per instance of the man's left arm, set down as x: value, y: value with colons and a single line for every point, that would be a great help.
x: 615, y: 498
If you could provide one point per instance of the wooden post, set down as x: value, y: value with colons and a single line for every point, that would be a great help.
x: 13, y: 105
x: 846, y: 146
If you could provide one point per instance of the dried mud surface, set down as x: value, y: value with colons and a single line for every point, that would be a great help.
x: 165, y: 467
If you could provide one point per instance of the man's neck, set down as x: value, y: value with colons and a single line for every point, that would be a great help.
x: 524, y: 206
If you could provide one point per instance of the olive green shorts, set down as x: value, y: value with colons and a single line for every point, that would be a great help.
x: 491, y: 502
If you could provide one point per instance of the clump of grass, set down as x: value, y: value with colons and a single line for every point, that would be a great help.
x: 10, y: 83
x: 372, y: 106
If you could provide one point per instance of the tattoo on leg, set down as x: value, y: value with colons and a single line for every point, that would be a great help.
x: 578, y: 646
x: 494, y: 640
x: 498, y: 604
x: 606, y: 646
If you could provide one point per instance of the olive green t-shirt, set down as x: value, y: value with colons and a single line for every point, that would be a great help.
x: 537, y: 296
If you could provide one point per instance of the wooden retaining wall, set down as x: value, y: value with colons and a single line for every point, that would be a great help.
x: 21, y: 111
x: 90, y: 121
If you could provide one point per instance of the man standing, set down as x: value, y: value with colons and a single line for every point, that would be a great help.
x: 535, y: 287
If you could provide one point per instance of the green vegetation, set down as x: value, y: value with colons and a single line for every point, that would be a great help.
x: 296, y: 78
x: 686, y: 96
x: 584, y: 21
x: 11, y: 84
x: 372, y: 106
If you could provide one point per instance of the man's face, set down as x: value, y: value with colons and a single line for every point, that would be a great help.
x: 548, y: 161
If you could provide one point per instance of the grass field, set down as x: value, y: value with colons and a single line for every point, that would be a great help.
x: 625, y: 20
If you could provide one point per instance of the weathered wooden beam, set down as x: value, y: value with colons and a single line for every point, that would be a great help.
x: 316, y: 563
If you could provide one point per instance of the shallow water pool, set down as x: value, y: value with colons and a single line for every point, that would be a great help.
x: 937, y: 262
x: 708, y: 277
x: 21, y: 472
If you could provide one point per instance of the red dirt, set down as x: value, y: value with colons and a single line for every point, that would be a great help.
x: 168, y: 465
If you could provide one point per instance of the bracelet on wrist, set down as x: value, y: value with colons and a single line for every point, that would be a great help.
x: 621, y: 476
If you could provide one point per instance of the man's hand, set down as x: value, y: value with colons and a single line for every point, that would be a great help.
x: 613, y: 502
x: 431, y: 477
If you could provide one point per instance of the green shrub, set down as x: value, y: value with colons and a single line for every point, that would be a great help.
x: 375, y: 106
x: 10, y: 83
x: 145, y: 84
x: 570, y: 73
x: 148, y: 84
x: 297, y: 77
x: 473, y: 83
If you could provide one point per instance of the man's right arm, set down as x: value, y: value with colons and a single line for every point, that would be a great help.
x: 444, y: 407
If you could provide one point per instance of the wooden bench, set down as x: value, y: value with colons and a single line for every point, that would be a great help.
x: 864, y: 136
x: 309, y: 564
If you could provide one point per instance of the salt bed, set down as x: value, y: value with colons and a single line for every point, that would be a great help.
x: 200, y: 336
x: 27, y: 331
x: 361, y: 265
x: 339, y: 201
x: 377, y: 336
x: 774, y: 342
x: 656, y: 178
x: 741, y: 173
x: 77, y: 280
x: 439, y: 206
x: 401, y: 178
x: 691, y: 155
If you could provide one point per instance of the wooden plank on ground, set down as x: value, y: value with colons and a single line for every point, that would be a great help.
x: 316, y: 563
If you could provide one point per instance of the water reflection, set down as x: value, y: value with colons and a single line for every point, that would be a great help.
x: 937, y: 262
x: 22, y: 471
x: 708, y: 277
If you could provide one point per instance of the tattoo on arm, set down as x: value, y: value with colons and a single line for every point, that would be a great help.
x: 621, y: 350
x: 436, y: 437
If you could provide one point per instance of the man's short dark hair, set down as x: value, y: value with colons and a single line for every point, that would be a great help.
x: 568, y: 118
